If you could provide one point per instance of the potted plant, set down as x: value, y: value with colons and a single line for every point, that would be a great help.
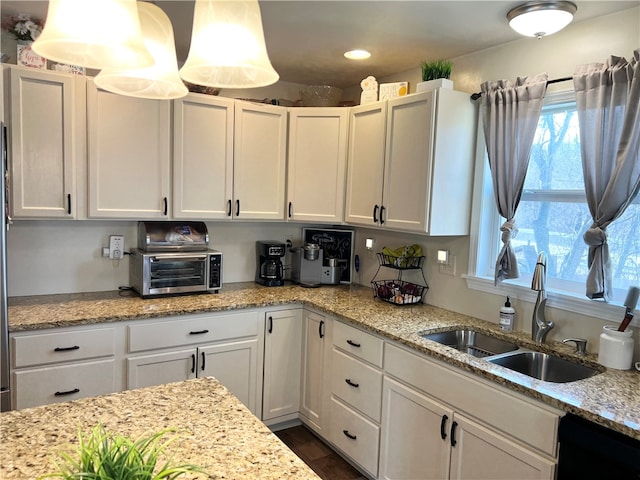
x: 435, y: 74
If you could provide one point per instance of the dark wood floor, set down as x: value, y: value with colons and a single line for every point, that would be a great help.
x: 327, y: 464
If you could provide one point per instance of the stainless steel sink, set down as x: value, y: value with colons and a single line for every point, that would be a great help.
x: 544, y: 366
x: 472, y: 342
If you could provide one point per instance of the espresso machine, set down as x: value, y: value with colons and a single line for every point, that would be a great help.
x: 311, y: 269
x: 269, y: 268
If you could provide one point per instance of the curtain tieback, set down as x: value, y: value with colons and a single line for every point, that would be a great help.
x: 508, y: 230
x: 595, y: 236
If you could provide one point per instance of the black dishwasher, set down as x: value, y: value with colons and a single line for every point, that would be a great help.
x: 590, y: 451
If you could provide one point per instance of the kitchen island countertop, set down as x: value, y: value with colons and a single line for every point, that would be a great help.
x: 611, y: 398
x: 212, y: 428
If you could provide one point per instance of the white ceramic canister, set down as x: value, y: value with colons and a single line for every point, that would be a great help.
x: 616, y: 348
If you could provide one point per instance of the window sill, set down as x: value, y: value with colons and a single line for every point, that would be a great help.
x: 609, y: 312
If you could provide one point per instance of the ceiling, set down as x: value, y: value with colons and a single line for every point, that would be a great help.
x: 306, y: 39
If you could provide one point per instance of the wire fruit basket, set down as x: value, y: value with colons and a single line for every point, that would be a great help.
x: 399, y: 292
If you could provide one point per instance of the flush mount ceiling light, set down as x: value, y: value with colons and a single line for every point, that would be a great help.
x: 537, y: 19
x: 159, y: 81
x: 357, y: 54
x: 93, y: 34
x: 227, y: 46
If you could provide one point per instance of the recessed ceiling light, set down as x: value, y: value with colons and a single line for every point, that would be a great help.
x: 357, y: 54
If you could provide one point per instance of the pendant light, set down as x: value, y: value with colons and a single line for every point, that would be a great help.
x: 540, y: 18
x: 227, y: 46
x: 159, y: 81
x: 93, y: 34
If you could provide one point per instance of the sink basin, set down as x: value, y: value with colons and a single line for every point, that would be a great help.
x: 544, y: 366
x: 472, y: 342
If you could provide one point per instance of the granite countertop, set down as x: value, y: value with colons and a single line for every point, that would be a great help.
x: 213, y: 429
x: 611, y: 398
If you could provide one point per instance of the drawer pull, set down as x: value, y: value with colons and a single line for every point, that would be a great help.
x: 348, y: 435
x: 69, y: 392
x: 199, y: 332
x: 453, y: 434
x: 349, y: 382
x: 353, y: 344
x: 443, y: 426
x: 66, y: 349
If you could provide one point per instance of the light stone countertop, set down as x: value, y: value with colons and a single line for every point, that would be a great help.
x: 212, y: 430
x: 611, y: 398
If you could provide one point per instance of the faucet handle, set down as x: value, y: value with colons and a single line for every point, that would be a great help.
x: 581, y: 344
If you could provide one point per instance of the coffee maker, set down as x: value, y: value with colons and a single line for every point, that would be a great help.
x: 269, y: 268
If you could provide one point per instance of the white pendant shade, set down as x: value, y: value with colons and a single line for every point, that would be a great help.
x: 538, y: 19
x: 93, y: 34
x: 227, y: 46
x: 159, y: 81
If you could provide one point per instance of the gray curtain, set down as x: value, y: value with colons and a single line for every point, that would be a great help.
x: 510, y: 113
x: 608, y: 101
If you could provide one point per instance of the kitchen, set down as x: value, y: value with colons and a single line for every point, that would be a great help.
x: 70, y: 251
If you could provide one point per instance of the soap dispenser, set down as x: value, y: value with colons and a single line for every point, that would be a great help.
x: 507, y: 315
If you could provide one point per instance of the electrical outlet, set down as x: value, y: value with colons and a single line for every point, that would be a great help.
x: 116, y: 246
x: 448, y: 268
x: 288, y: 241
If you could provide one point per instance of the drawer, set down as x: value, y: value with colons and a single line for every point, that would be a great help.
x: 356, y: 383
x: 63, y: 383
x: 358, y: 343
x: 354, y: 435
x: 512, y: 414
x: 45, y: 348
x: 192, y: 330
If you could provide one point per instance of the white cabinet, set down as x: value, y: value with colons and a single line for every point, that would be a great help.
x: 259, y: 164
x: 226, y: 346
x: 64, y: 364
x: 203, y: 156
x: 315, y: 390
x: 46, y: 139
x: 129, y: 155
x: 282, y: 362
x: 429, y: 426
x: 426, y: 158
x: 317, y: 164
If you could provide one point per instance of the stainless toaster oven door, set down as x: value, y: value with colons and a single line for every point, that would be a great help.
x: 180, y: 273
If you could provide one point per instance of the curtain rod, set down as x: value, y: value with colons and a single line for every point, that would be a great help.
x: 476, y: 96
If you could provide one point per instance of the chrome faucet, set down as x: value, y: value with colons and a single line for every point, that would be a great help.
x: 539, y: 326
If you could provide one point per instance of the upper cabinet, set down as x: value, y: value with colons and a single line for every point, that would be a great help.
x: 45, y: 114
x: 129, y: 155
x: 317, y: 164
x: 410, y: 167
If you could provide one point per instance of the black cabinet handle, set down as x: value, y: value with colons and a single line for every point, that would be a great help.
x: 375, y: 214
x: 198, y: 332
x: 229, y: 208
x: 68, y: 392
x: 204, y: 357
x: 66, y: 349
x: 321, y: 329
x: 290, y: 205
x: 382, y: 209
x: 443, y: 425
x: 166, y: 206
x: 237, y: 208
x: 270, y: 329
x: 68, y: 203
x: 193, y: 363
x: 453, y: 434
x: 349, y: 435
x: 353, y: 344
x: 349, y: 382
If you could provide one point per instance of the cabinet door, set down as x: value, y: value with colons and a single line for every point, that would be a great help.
x: 129, y: 155
x: 203, y: 157
x: 480, y: 452
x: 317, y: 164
x: 407, y: 171
x: 413, y: 426
x: 235, y: 365
x: 259, y: 162
x: 45, y: 146
x: 365, y: 164
x: 160, y: 368
x: 282, y: 356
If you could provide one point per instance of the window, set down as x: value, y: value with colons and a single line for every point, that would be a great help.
x: 553, y: 214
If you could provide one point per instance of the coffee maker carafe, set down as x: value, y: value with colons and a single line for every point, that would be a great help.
x: 269, y: 268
